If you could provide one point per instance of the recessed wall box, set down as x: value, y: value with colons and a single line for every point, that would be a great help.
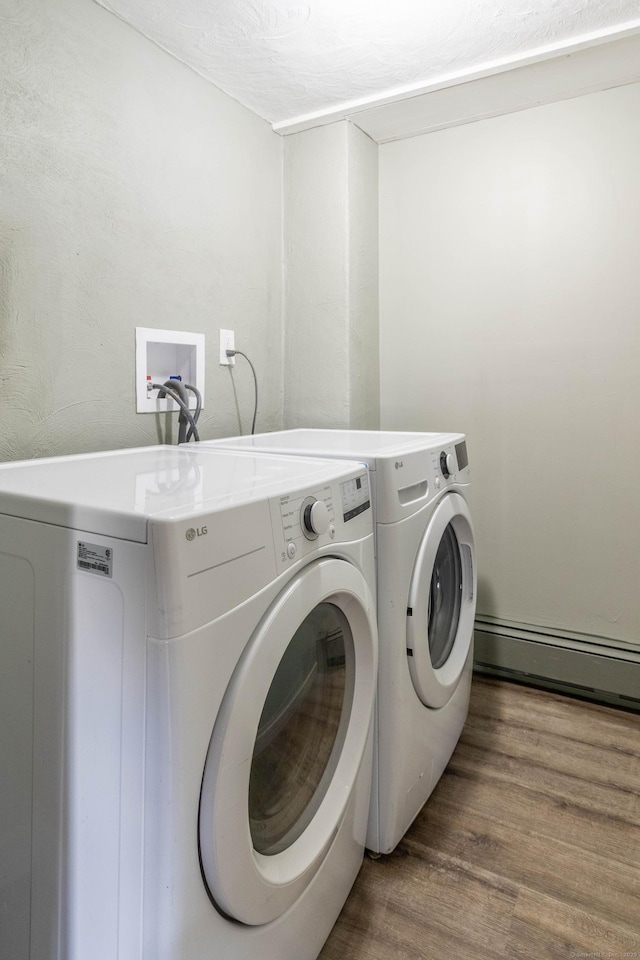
x: 162, y: 354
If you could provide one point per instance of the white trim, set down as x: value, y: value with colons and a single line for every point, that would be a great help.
x: 351, y: 108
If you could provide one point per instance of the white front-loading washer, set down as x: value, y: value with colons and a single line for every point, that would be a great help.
x: 426, y: 579
x: 187, y: 678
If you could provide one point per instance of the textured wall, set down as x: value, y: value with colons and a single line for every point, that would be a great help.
x: 331, y: 278
x: 509, y: 310
x: 132, y: 193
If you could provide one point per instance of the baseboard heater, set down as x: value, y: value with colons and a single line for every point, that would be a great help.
x: 579, y: 665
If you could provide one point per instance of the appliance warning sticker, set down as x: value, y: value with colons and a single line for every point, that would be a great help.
x: 94, y: 558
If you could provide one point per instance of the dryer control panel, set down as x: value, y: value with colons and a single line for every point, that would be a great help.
x: 334, y: 513
x: 307, y: 515
x: 355, y: 497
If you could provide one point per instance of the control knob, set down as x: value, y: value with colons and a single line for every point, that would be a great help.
x: 447, y: 464
x: 315, y: 519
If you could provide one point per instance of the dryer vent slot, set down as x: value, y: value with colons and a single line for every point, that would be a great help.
x: 414, y: 492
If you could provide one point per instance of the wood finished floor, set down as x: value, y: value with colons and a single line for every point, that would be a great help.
x: 528, y: 848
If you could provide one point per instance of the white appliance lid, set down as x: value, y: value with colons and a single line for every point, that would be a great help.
x: 369, y: 445
x: 116, y: 493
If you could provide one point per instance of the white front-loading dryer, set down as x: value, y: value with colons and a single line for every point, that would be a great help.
x: 426, y: 581
x: 188, y: 673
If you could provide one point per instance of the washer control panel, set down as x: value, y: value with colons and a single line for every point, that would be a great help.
x: 453, y: 460
x: 448, y: 464
x: 411, y: 478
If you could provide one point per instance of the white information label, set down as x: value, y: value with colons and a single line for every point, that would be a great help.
x: 94, y: 558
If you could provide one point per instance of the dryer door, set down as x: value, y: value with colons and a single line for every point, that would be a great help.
x: 442, y: 602
x: 288, y: 743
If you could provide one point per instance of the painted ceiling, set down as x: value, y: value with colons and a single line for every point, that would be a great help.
x: 297, y: 63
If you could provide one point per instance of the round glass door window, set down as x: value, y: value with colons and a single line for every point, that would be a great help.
x: 290, y: 742
x: 445, y: 598
x: 442, y: 603
x: 301, y: 730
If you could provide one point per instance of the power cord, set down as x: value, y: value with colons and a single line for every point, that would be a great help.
x: 177, y: 391
x: 239, y: 353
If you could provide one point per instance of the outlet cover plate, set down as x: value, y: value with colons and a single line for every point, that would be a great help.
x: 227, y: 342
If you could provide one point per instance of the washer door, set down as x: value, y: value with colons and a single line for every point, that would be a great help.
x: 442, y: 602
x: 288, y: 743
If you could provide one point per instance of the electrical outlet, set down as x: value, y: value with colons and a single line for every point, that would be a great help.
x: 227, y: 342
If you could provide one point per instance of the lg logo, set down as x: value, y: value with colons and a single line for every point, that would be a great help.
x: 194, y: 532
x: 399, y: 464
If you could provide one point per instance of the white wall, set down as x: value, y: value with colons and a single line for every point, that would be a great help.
x: 510, y: 299
x: 331, y: 278
x: 363, y: 280
x: 132, y: 193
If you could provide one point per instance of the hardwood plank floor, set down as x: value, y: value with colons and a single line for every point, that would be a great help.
x: 529, y: 846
